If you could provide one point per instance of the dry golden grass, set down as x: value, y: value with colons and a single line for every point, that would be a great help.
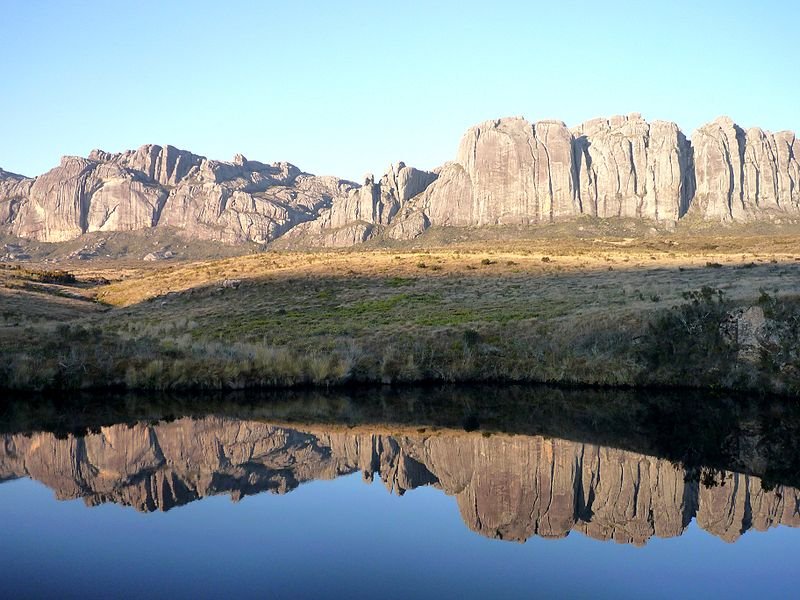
x: 611, y: 260
x: 549, y: 309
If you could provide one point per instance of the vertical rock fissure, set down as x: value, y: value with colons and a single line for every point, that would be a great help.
x: 550, y: 196
x: 161, y: 202
x: 731, y: 177
x: 741, y: 142
x: 747, y: 517
x: 534, y: 160
x: 224, y: 196
x: 634, y: 175
x: 688, y: 176
x: 574, y: 173
x: 550, y: 184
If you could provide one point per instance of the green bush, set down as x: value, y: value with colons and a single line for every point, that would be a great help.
x: 684, y: 345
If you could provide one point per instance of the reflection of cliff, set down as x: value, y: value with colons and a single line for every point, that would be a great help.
x: 509, y: 487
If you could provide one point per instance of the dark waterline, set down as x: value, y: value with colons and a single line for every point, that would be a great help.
x: 424, y: 492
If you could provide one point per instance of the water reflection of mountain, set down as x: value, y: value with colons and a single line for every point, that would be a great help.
x: 506, y: 486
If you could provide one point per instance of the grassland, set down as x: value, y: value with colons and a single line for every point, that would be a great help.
x: 591, y: 307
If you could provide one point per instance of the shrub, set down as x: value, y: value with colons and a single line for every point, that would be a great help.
x: 684, y: 345
x: 471, y: 338
x: 59, y: 277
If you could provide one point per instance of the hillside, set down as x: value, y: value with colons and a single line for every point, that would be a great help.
x: 681, y: 309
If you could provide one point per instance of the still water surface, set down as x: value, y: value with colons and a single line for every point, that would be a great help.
x: 512, y: 492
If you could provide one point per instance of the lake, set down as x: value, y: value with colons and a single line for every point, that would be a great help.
x: 426, y: 492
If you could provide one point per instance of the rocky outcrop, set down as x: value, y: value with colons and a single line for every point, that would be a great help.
x: 366, y: 210
x: 412, y: 224
x: 247, y: 200
x: 510, y: 171
x: 83, y: 195
x: 745, y: 175
x: 506, y: 172
x: 513, y: 172
x: 242, y: 201
x: 506, y: 487
x: 167, y: 165
x: 520, y: 173
x: 14, y: 189
x: 629, y: 168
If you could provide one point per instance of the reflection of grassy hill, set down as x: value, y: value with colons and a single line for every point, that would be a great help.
x: 561, y: 309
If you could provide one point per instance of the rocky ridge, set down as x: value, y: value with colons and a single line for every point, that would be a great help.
x: 509, y: 487
x: 236, y: 202
x: 506, y: 172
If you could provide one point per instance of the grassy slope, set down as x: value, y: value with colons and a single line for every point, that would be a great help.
x: 547, y: 305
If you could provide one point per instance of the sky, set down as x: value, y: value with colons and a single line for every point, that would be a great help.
x: 346, y: 88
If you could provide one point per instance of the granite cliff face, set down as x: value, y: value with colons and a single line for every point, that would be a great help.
x: 14, y: 190
x: 506, y: 487
x: 513, y: 172
x: 745, y: 175
x: 241, y: 201
x: 506, y: 172
x: 353, y: 218
x: 627, y: 167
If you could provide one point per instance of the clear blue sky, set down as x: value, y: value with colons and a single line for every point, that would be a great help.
x: 347, y: 87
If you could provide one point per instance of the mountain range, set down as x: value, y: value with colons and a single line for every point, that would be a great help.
x: 506, y: 172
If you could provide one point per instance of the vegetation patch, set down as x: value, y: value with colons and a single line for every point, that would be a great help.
x: 333, y: 318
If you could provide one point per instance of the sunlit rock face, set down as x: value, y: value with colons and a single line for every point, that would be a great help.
x: 83, y: 195
x: 237, y: 202
x: 745, y: 175
x: 363, y: 211
x: 506, y: 172
x: 627, y: 167
x: 520, y: 173
x: 506, y: 487
x: 514, y: 172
